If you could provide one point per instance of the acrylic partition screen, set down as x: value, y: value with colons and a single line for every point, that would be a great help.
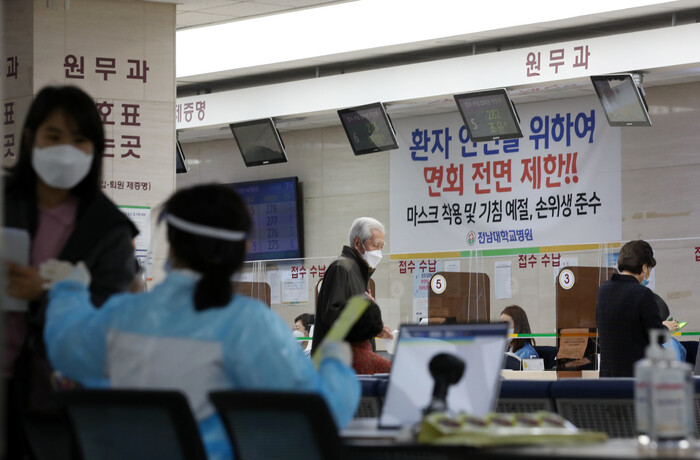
x: 530, y: 280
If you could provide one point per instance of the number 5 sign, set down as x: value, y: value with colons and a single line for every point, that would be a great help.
x: 438, y: 284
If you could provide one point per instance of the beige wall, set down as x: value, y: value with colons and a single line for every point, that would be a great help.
x: 659, y: 202
x: 124, y: 37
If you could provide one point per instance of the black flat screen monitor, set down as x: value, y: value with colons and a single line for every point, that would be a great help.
x: 489, y: 115
x: 622, y: 100
x: 276, y: 212
x: 368, y: 128
x: 180, y: 164
x: 259, y: 142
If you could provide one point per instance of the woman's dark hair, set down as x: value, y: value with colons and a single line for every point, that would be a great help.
x: 368, y: 326
x: 633, y: 255
x: 520, y: 326
x: 78, y: 107
x: 307, y: 319
x: 216, y: 259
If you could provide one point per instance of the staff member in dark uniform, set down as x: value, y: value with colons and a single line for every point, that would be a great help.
x: 349, y: 275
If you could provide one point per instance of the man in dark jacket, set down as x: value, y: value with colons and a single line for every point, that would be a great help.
x: 626, y: 310
x: 349, y: 275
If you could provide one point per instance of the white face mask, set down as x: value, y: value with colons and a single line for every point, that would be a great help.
x: 61, y: 166
x: 299, y: 334
x: 372, y: 257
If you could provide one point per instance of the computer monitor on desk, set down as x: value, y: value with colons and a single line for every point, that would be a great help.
x: 411, y: 385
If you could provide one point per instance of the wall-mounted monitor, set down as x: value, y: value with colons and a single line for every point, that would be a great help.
x: 180, y: 164
x: 368, y: 128
x: 489, y: 115
x: 276, y: 211
x: 259, y: 142
x: 622, y: 100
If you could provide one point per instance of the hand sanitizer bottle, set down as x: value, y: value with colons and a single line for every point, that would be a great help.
x: 672, y: 419
x: 643, y: 370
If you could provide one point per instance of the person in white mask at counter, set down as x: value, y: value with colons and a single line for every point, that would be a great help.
x: 302, y: 329
x: 516, y: 318
x: 349, y: 275
x: 190, y: 332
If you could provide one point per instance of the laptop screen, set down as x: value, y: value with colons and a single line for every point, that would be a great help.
x: 410, y: 389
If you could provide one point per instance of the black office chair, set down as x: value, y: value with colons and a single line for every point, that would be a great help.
x: 605, y: 404
x: 548, y: 354
x: 511, y: 363
x: 133, y: 424
x: 525, y: 396
x: 277, y: 425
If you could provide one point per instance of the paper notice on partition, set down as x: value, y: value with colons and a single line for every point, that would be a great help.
x: 273, y: 279
x: 141, y: 218
x: 564, y: 262
x: 294, y: 290
x: 572, y: 343
x: 502, y: 279
x: 451, y: 266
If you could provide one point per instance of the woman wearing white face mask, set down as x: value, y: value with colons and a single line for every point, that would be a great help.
x: 53, y: 192
x: 517, y: 321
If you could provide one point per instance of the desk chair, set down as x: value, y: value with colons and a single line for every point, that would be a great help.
x: 370, y: 402
x: 691, y: 348
x: 133, y: 424
x: 548, y: 354
x: 277, y: 425
x: 605, y: 404
x: 511, y: 362
x: 525, y: 396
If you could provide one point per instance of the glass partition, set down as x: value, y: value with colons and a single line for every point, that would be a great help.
x: 528, y: 277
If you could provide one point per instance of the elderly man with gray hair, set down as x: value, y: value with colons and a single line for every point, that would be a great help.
x: 349, y: 275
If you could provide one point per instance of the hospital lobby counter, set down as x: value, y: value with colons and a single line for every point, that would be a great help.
x: 547, y: 375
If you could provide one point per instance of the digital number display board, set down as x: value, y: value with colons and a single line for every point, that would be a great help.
x: 275, y: 209
x: 489, y: 115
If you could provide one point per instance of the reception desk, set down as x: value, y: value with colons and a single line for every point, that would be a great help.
x: 546, y: 375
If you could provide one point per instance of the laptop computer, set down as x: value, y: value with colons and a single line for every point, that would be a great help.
x: 410, y: 386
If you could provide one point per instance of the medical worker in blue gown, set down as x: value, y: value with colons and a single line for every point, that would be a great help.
x: 189, y: 332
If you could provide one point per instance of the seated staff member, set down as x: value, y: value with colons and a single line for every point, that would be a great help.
x: 190, y: 332
x: 302, y: 328
x: 518, y: 324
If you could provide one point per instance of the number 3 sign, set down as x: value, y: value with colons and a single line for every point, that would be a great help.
x: 438, y: 284
x: 566, y: 279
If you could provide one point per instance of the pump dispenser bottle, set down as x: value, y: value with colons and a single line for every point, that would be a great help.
x: 643, y: 371
x: 672, y: 395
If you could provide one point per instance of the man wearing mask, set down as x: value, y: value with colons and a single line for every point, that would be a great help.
x: 349, y: 275
x: 626, y: 310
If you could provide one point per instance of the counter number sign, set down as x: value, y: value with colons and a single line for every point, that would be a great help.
x: 567, y: 279
x: 438, y: 284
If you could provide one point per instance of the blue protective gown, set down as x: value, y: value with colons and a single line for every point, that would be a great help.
x: 158, y: 340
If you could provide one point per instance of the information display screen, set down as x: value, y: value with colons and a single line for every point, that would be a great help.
x: 489, y: 115
x: 368, y: 128
x: 621, y: 99
x: 275, y: 209
x: 259, y: 142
